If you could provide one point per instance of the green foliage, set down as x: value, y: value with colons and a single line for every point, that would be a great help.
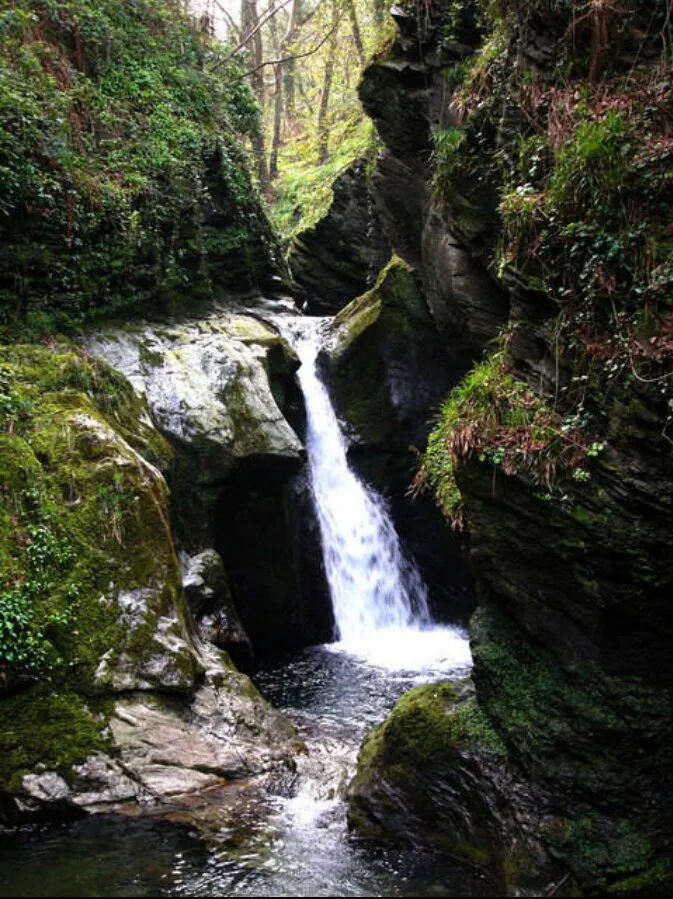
x: 497, y: 418
x: 114, y: 141
x: 303, y: 190
x: 449, y: 143
x: 590, y: 168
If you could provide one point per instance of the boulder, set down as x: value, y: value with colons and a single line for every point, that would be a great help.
x: 212, y: 386
x: 93, y: 609
x: 436, y: 774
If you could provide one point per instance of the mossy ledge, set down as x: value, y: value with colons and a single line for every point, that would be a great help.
x: 387, y: 336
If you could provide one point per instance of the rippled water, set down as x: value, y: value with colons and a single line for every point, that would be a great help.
x: 296, y: 845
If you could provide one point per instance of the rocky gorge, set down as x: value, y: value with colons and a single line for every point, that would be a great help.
x: 156, y: 516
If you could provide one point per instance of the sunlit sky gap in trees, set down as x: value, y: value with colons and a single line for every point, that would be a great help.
x: 214, y: 10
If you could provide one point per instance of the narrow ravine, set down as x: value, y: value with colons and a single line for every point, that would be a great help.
x: 296, y: 844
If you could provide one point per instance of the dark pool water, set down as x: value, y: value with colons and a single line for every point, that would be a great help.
x: 294, y: 845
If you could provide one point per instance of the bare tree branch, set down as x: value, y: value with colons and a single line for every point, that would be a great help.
x: 248, y: 37
x: 230, y: 22
x: 276, y: 62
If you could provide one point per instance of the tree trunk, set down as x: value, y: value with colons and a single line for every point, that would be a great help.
x: 289, y: 67
x: 277, y: 103
x: 249, y: 22
x: 355, y: 27
x: 323, y: 129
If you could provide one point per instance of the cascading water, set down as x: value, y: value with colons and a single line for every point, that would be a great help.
x: 294, y: 844
x: 378, y: 595
x: 373, y: 585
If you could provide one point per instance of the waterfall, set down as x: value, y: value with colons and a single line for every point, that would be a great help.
x: 373, y: 584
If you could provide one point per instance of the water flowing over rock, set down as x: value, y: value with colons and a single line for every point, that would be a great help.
x: 221, y: 388
x: 372, y: 584
x: 387, y: 371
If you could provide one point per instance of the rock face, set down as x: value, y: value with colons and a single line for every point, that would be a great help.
x: 387, y: 367
x: 571, y: 637
x: 406, y: 95
x: 93, y: 608
x: 337, y: 259
x: 208, y: 593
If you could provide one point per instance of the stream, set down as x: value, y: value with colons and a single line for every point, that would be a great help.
x: 296, y: 844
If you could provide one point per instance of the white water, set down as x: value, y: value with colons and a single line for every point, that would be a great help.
x: 379, y: 599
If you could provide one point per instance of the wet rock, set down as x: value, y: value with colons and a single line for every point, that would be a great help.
x: 208, y: 593
x: 101, y: 782
x: 264, y: 535
x: 435, y: 773
x: 47, y: 787
x: 387, y: 368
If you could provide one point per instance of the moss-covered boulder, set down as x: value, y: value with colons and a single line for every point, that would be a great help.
x: 387, y: 367
x: 91, y: 600
x: 435, y: 773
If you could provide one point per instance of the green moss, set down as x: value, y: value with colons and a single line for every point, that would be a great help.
x: 49, y: 726
x: 82, y: 517
x: 571, y: 725
x: 412, y: 775
x: 395, y: 294
x: 614, y: 854
x: 424, y: 730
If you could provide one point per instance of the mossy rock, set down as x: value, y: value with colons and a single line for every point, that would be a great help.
x: 215, y: 386
x: 424, y: 776
x: 387, y: 367
x: 90, y: 595
x: 601, y: 744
